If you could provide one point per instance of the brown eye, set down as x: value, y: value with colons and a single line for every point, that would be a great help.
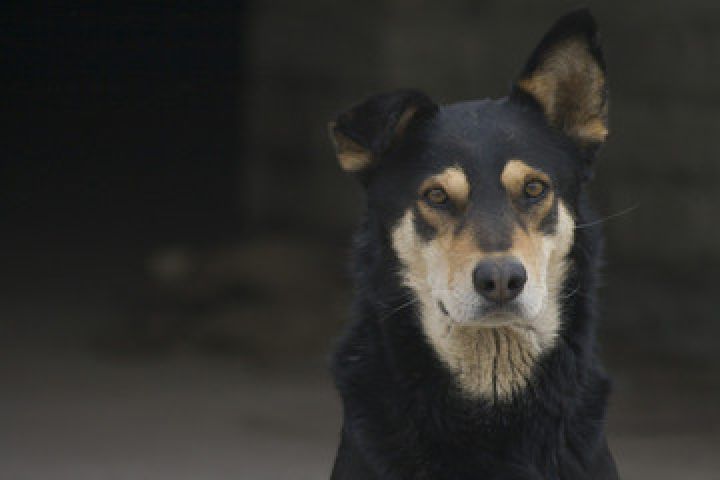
x: 436, y: 196
x: 534, y: 188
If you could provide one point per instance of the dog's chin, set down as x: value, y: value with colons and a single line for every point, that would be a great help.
x: 489, y: 316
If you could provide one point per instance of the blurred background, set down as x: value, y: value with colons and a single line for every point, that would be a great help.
x: 175, y: 228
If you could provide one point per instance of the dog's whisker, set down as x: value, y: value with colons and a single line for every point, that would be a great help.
x: 571, y: 294
x: 609, y: 217
x: 397, y: 309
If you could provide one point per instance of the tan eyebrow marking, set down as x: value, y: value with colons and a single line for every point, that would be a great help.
x: 514, y: 177
x: 453, y: 181
x: 516, y: 173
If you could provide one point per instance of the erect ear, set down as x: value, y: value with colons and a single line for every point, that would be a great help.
x: 365, y: 132
x: 565, y: 76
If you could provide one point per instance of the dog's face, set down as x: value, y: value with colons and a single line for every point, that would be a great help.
x: 479, y: 214
x: 478, y: 198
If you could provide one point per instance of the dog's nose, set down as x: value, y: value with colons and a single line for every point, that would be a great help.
x: 499, y: 280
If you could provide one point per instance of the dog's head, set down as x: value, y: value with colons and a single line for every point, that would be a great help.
x: 479, y: 198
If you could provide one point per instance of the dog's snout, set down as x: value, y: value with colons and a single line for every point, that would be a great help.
x: 499, y: 280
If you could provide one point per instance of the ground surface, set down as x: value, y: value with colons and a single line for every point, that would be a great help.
x: 69, y: 415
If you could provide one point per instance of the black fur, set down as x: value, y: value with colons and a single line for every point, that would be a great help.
x: 404, y: 416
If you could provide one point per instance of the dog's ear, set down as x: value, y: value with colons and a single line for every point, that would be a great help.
x: 367, y: 131
x: 565, y: 77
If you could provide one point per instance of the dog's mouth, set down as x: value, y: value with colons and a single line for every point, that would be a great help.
x: 488, y: 315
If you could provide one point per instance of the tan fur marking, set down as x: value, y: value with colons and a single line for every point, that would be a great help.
x: 354, y: 157
x: 517, y: 173
x: 594, y: 130
x: 351, y: 156
x: 437, y: 218
x: 404, y: 121
x: 514, y: 177
x: 456, y: 246
x: 569, y: 85
x: 354, y: 162
x: 490, y: 362
x: 453, y: 181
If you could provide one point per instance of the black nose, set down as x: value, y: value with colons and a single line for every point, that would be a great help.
x: 499, y: 280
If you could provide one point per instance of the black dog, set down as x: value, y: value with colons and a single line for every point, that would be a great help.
x: 472, y: 351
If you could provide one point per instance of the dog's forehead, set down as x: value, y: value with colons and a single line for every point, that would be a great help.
x: 482, y: 136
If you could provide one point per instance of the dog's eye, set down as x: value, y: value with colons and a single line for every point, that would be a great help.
x: 436, y: 196
x: 534, y: 188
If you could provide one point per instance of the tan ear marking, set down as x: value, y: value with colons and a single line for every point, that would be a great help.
x: 351, y: 156
x: 569, y: 85
x: 404, y: 120
x: 593, y: 131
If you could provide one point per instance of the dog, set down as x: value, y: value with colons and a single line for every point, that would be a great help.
x: 472, y: 353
